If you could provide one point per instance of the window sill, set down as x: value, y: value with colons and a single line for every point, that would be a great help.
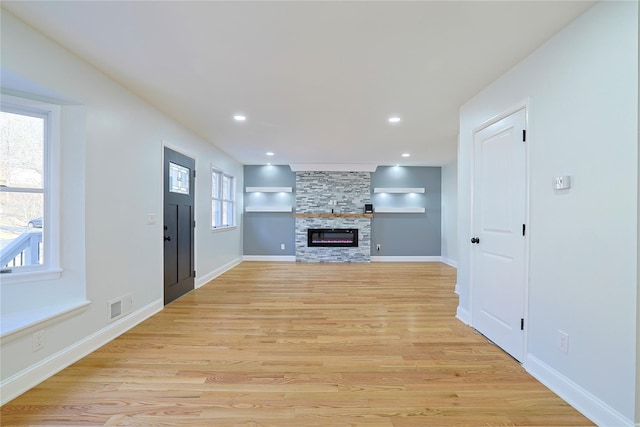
x: 30, y: 276
x: 17, y: 324
x: 219, y: 229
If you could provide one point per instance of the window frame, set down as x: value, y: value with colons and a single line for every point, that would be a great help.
x: 221, y: 200
x: 50, y: 268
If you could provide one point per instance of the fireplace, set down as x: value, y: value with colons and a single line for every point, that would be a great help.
x: 332, y: 237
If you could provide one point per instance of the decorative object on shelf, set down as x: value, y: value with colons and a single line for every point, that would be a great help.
x: 398, y: 190
x: 368, y: 208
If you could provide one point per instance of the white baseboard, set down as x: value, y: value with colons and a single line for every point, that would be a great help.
x: 450, y: 262
x: 20, y: 382
x: 270, y: 258
x: 456, y: 290
x: 463, y: 315
x: 589, y: 405
x: 406, y: 259
x: 203, y: 280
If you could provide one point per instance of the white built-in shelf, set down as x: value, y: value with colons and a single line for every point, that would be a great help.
x: 268, y: 189
x: 399, y: 210
x: 398, y: 190
x: 268, y: 209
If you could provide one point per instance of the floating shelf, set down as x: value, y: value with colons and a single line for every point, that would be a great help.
x: 398, y: 190
x: 268, y: 189
x: 268, y: 209
x: 400, y: 210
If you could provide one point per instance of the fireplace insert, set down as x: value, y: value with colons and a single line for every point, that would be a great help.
x: 332, y: 237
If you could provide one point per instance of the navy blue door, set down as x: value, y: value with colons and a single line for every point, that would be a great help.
x: 179, y: 186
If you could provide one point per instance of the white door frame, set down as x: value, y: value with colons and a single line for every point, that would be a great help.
x: 526, y: 106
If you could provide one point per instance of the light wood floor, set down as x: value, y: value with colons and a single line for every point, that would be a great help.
x: 285, y: 344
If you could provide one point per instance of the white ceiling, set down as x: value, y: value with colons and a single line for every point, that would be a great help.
x: 317, y: 81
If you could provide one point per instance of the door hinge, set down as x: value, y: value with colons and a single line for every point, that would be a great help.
x: 522, y: 324
x: 524, y: 228
x: 524, y: 135
x: 194, y: 173
x: 194, y: 224
x: 194, y: 273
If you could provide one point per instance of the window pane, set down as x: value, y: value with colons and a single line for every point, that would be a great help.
x: 225, y: 216
x: 21, y: 227
x: 226, y: 187
x: 229, y: 213
x: 178, y: 179
x: 21, y: 150
x: 216, y: 213
x: 215, y: 185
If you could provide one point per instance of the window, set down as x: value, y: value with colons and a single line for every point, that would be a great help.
x: 223, y: 200
x: 178, y: 179
x: 27, y: 228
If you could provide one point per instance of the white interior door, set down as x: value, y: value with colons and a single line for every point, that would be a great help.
x: 498, y: 253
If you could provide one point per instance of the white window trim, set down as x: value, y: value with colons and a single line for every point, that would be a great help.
x: 234, y: 225
x: 51, y: 268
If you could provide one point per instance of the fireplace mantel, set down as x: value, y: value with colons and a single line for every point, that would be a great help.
x: 333, y: 215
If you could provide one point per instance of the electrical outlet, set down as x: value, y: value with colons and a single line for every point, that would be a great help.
x: 38, y: 340
x: 282, y: 246
x: 563, y: 341
x: 378, y: 247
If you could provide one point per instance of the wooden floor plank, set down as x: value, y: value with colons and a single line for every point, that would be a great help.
x: 290, y: 344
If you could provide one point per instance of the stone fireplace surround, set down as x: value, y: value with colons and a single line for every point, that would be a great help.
x: 333, y: 200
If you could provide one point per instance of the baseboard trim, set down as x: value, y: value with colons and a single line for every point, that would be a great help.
x: 203, y: 280
x: 456, y: 290
x: 450, y: 262
x: 292, y: 258
x: 589, y: 405
x: 22, y: 381
x: 463, y: 315
x: 406, y: 259
x: 270, y: 258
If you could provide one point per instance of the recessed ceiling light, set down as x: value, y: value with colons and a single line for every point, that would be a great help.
x: 269, y: 153
x: 239, y: 118
x: 394, y: 119
x: 406, y: 155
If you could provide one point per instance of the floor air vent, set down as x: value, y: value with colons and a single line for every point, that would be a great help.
x: 118, y: 307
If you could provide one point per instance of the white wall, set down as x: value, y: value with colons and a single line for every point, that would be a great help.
x: 582, y: 88
x: 449, y: 242
x: 112, y: 164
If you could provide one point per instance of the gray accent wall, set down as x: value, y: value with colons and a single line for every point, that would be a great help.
x: 407, y: 234
x: 265, y: 232
x: 399, y: 234
x: 269, y: 176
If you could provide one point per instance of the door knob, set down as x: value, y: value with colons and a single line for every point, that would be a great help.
x: 167, y: 238
x: 475, y: 240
